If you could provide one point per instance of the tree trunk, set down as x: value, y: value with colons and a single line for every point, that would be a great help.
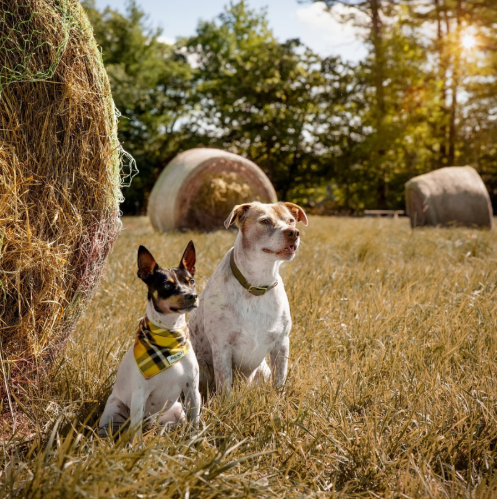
x: 379, y: 78
x: 454, y: 89
x: 379, y: 62
x: 442, y: 72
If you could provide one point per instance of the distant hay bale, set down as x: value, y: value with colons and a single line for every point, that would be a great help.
x: 449, y: 196
x: 199, y: 187
x: 59, y: 178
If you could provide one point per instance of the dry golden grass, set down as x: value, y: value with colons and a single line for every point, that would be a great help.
x: 391, y: 389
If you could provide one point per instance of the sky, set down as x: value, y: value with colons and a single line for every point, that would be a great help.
x: 315, y: 27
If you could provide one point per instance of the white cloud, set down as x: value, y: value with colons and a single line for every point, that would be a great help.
x: 336, y: 37
x: 166, y: 39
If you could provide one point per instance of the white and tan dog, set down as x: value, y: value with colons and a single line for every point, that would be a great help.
x: 243, y: 313
x: 160, y: 365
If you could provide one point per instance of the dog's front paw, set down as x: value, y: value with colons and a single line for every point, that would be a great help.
x: 102, y: 432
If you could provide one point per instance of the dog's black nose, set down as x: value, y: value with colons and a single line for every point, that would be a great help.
x: 292, y: 233
x: 191, y: 296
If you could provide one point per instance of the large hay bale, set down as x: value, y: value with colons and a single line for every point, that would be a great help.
x: 199, y: 187
x: 59, y: 178
x: 454, y: 195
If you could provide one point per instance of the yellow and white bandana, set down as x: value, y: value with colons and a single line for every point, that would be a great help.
x: 158, y: 349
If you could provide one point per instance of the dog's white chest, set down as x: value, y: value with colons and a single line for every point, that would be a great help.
x: 257, y: 324
x: 251, y: 347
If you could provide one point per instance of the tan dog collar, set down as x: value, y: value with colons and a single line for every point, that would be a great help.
x: 255, y: 290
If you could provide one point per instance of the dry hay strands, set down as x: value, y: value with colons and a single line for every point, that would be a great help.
x: 217, y: 195
x: 450, y: 196
x: 59, y: 181
x: 199, y: 187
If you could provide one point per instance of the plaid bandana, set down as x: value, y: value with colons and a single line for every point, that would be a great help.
x: 158, y: 349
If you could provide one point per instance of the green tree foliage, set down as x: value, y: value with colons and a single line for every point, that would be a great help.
x: 258, y: 97
x: 429, y: 101
x: 393, y: 97
x: 322, y: 129
x: 152, y: 88
x: 466, y: 83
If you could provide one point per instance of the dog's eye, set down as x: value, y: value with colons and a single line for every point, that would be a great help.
x: 192, y: 282
x: 265, y: 221
x: 291, y: 221
x: 168, y: 285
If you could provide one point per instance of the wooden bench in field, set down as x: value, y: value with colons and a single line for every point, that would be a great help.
x: 383, y: 213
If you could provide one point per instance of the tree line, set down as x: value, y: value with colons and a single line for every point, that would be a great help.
x: 328, y: 133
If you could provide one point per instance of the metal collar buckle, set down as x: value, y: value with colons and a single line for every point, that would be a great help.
x: 259, y: 290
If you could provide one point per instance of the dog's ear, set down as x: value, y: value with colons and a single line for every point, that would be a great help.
x: 146, y: 263
x: 297, y: 212
x: 237, y: 214
x: 188, y: 259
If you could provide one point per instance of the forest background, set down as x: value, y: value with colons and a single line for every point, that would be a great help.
x: 332, y: 135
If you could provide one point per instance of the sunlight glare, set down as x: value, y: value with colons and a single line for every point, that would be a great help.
x: 468, y: 41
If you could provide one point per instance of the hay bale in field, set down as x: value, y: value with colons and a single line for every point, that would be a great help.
x: 199, y: 187
x: 452, y: 195
x: 59, y: 178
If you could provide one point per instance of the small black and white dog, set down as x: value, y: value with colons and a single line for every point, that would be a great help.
x: 161, y: 364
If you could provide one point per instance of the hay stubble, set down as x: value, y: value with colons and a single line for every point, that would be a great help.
x: 391, y: 388
x: 59, y: 183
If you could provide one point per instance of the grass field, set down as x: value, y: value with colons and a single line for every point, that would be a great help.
x: 392, y: 387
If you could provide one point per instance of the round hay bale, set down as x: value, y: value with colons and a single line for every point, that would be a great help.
x: 59, y: 178
x: 199, y: 187
x: 454, y: 195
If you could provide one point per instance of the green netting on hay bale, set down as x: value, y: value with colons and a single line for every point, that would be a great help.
x: 59, y: 178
